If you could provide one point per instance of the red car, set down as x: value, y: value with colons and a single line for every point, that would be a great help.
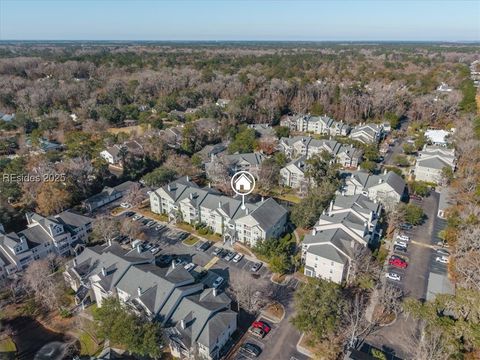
x: 261, y: 325
x: 398, y: 262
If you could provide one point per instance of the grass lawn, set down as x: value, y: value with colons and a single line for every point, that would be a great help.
x: 190, y: 241
x: 290, y: 198
x: 189, y: 228
x: 88, y: 346
x: 7, y: 345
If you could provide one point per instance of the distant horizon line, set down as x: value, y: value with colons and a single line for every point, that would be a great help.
x: 238, y: 41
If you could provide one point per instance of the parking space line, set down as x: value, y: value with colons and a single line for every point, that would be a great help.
x: 211, y: 263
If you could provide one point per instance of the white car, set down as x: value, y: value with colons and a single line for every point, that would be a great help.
x: 393, y: 276
x: 189, y: 266
x: 237, y: 258
x: 400, y: 243
x: 125, y: 205
x: 442, y: 259
x: 403, y: 237
x: 137, y: 217
x: 218, y: 281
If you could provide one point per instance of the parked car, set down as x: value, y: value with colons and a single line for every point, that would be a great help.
x: 204, y: 246
x: 150, y: 223
x: 129, y: 213
x: 145, y: 221
x: 403, y: 237
x: 237, y: 258
x: 178, y: 261
x: 125, y: 205
x: 155, y: 249
x: 218, y: 281
x: 443, y: 252
x: 251, y: 349
x: 442, y: 259
x: 217, y: 251
x: 400, y: 248
x: 148, y: 246
x: 262, y: 325
x: 137, y: 217
x: 189, y: 266
x: 400, y: 243
x: 159, y: 227
x: 397, y: 262
x: 255, y: 267
x: 257, y: 332
x: 406, y: 226
x: 393, y: 276
x: 230, y: 255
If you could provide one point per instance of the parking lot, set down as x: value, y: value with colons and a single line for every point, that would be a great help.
x: 421, y: 252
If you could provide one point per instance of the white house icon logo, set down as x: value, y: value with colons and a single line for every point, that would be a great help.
x: 242, y: 184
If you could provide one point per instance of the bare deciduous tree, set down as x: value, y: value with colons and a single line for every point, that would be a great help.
x: 43, y: 284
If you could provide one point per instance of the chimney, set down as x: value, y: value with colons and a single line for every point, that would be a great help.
x: 139, y: 248
x: 385, y: 171
x: 263, y: 199
x: 104, y: 271
x: 74, y: 262
x: 169, y: 188
x: 188, y: 178
x: 109, y: 242
x: 331, y: 206
x: 139, y: 291
x: 182, y: 324
x: 380, y: 181
x: 219, y: 204
x: 215, y: 292
x: 246, y: 210
x: 190, y: 196
x: 314, y: 231
x: 173, y: 264
x: 209, y: 184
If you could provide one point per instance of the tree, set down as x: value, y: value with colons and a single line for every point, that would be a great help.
x: 279, y: 264
x: 401, y: 160
x: 319, y: 305
x: 420, y: 188
x: 105, y: 229
x: 306, y: 213
x: 116, y: 323
x: 393, y: 119
x: 370, y: 166
x: 134, y: 195
x: 245, y: 293
x: 244, y: 141
x: 447, y: 174
x: 409, y: 148
x: 268, y: 175
x: 371, y: 153
x: 320, y: 168
x: 414, y: 214
x: 282, y: 131
x: 46, y: 288
x: 52, y: 198
x: 420, y: 141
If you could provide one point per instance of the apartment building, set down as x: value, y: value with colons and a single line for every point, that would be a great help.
x: 183, y: 200
x: 350, y: 223
x: 57, y: 234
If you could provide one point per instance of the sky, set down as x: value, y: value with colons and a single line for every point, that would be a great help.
x: 314, y: 20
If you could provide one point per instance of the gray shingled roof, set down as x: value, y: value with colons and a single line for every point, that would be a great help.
x: 433, y: 163
x: 156, y: 283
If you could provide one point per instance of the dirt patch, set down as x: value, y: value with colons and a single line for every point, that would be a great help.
x: 242, y: 249
x: 274, y: 311
x: 279, y: 278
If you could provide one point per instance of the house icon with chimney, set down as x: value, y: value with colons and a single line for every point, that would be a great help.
x: 243, y: 183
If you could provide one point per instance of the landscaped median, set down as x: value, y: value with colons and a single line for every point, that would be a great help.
x: 190, y: 241
x: 275, y: 312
